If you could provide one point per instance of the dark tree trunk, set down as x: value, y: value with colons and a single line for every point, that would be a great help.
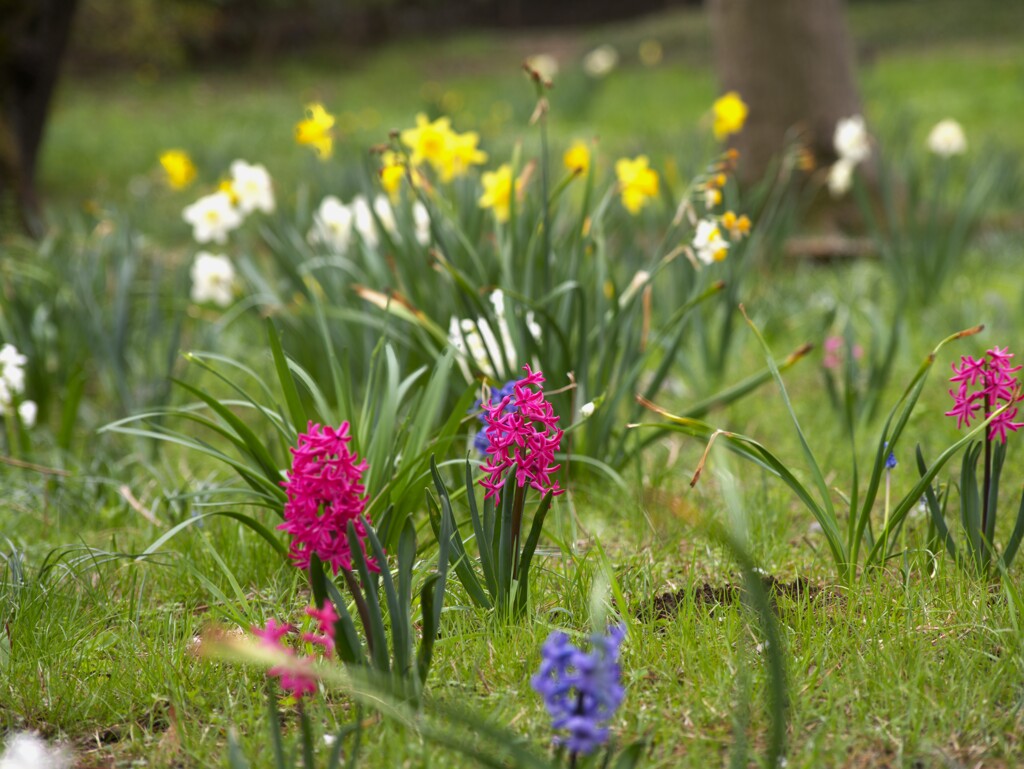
x: 33, y: 38
x: 792, y: 62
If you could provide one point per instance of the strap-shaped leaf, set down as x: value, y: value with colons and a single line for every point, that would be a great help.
x: 346, y: 637
x: 375, y: 631
x: 483, y: 538
x: 937, y: 510
x: 284, y: 377
x: 447, y: 530
x: 529, y: 547
x: 431, y: 621
x: 398, y: 613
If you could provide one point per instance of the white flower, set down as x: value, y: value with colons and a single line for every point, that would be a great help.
x: 587, y: 410
x: 544, y: 64
x: 421, y: 222
x: 251, y: 185
x: 213, y: 279
x: 332, y: 225
x: 27, y: 751
x: 363, y: 219
x: 947, y: 139
x: 851, y: 139
x: 12, y: 374
x: 475, y: 340
x: 708, y: 242
x: 212, y: 217
x: 840, y: 177
x: 385, y: 214
x: 27, y: 412
x: 600, y: 61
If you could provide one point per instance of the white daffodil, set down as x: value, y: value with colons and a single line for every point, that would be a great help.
x: 363, y: 220
x: 27, y: 412
x: 385, y: 214
x: 840, y: 177
x: 421, y: 223
x: 12, y: 374
x: 947, y: 138
x: 600, y: 61
x: 851, y: 139
x: 544, y: 64
x: 587, y: 409
x: 709, y: 243
x: 213, y: 279
x: 252, y: 187
x: 212, y: 217
x: 332, y: 225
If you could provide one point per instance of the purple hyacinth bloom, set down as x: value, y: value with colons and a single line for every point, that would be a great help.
x: 581, y: 690
x: 890, y: 461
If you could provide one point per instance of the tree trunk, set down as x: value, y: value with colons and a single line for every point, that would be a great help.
x: 792, y: 62
x: 33, y: 38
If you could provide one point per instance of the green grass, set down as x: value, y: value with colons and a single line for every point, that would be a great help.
x: 906, y: 667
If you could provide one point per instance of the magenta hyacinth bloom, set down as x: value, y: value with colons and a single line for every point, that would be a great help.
x: 986, y: 384
x: 324, y: 493
x: 293, y: 678
x: 526, y: 437
x: 298, y: 678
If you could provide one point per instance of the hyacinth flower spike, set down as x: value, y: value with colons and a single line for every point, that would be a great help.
x: 521, y: 438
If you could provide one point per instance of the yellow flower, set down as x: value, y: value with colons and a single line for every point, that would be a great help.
x: 498, y: 191
x: 637, y: 182
x: 391, y: 173
x: 315, y: 130
x: 179, y: 168
x: 577, y: 159
x: 227, y: 187
x: 462, y: 153
x: 429, y: 142
x: 738, y: 227
x: 730, y: 113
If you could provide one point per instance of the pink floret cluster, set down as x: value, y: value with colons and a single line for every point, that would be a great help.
x: 297, y: 677
x: 526, y: 437
x: 986, y: 384
x: 324, y: 493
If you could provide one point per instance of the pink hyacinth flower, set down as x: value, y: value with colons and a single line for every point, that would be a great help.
x: 998, y: 388
x: 526, y: 437
x: 325, y: 493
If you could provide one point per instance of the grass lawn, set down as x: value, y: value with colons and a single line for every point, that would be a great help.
x: 915, y: 664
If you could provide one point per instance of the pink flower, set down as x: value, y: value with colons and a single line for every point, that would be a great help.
x: 526, y: 437
x: 834, y: 348
x: 325, y: 617
x: 998, y: 388
x: 324, y: 494
x: 296, y: 678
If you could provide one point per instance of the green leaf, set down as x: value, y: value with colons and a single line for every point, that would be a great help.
x: 529, y: 547
x: 379, y: 651
x: 431, y: 617
x: 284, y: 377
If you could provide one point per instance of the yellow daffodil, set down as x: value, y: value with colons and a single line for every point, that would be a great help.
x: 315, y: 130
x: 498, y: 191
x: 577, y: 159
x: 228, y: 188
x: 179, y: 168
x: 738, y: 226
x: 462, y: 153
x: 730, y: 113
x: 391, y: 173
x: 430, y: 142
x: 638, y: 183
